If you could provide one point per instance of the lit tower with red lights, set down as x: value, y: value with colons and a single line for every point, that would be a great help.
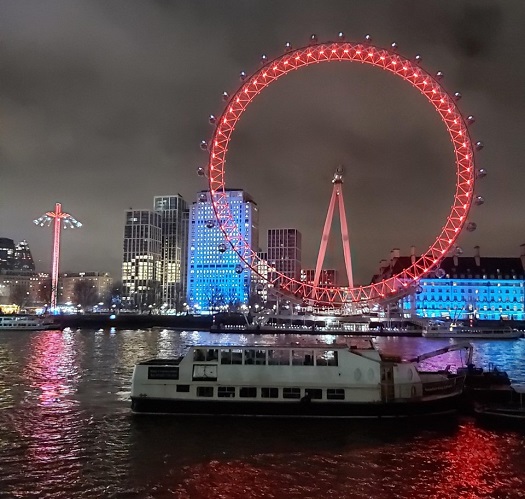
x: 60, y: 219
x: 337, y: 196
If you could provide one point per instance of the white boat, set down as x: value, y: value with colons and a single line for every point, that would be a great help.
x: 464, y: 332
x: 25, y: 323
x: 337, y: 380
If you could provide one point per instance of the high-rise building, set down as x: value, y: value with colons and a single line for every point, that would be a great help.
x: 284, y: 251
x: 141, y: 264
x: 217, y: 278
x: 7, y: 253
x: 15, y: 258
x: 23, y: 258
x: 174, y: 224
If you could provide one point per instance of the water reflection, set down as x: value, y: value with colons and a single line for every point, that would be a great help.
x: 66, y: 431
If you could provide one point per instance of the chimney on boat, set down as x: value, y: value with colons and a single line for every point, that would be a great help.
x: 477, y: 256
x: 455, y: 259
x: 412, y: 254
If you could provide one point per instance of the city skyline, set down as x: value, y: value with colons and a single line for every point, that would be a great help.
x: 105, y: 130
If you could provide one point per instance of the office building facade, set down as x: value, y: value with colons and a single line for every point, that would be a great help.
x: 142, y: 259
x: 173, y: 211
x: 465, y: 288
x: 217, y: 278
x: 284, y: 251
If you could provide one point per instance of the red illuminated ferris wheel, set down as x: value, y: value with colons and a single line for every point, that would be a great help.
x: 388, y: 60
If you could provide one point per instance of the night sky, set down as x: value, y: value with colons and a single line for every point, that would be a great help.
x: 103, y: 105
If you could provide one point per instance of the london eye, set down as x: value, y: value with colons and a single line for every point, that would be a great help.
x: 387, y: 59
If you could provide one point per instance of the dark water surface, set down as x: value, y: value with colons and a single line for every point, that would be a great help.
x: 66, y: 432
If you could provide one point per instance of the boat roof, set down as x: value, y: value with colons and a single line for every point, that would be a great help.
x: 355, y: 343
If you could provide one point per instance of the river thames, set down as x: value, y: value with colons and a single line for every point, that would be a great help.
x: 66, y: 431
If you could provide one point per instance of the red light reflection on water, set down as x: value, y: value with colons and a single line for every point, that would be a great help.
x: 470, y: 461
x: 51, y: 374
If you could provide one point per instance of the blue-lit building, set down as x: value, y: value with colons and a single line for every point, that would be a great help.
x: 216, y: 276
x: 467, y: 288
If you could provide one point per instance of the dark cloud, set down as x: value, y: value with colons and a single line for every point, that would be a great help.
x: 103, y: 105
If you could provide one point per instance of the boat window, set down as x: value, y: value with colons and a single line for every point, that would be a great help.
x: 269, y: 393
x: 279, y: 357
x: 260, y: 357
x: 326, y: 358
x: 314, y: 393
x: 255, y: 357
x: 183, y: 388
x: 231, y: 356
x: 226, y: 356
x: 236, y: 356
x: 291, y: 393
x: 226, y: 391
x: 302, y: 357
x: 335, y: 394
x: 199, y: 354
x: 212, y: 354
x: 205, y: 391
x: 249, y: 356
x: 248, y: 391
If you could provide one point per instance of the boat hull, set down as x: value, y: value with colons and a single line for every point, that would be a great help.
x: 501, y: 416
x: 298, y: 409
x: 513, y: 335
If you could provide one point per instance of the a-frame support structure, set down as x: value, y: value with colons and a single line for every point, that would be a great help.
x: 337, y: 195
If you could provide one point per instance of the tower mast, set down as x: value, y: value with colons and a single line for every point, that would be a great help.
x: 57, y: 217
x: 337, y: 195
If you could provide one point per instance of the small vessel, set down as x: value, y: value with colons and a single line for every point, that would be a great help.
x: 299, y: 380
x: 466, y: 332
x: 25, y: 323
x: 511, y: 412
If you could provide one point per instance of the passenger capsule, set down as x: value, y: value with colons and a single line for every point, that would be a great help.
x: 439, y: 75
x: 481, y: 173
x: 471, y: 119
x: 458, y: 250
x: 313, y: 38
x: 210, y: 224
x: 340, y: 36
x: 200, y: 171
x: 457, y: 95
x: 242, y: 75
x: 204, y: 145
x: 222, y: 248
x: 471, y: 226
x: 368, y: 38
x: 479, y: 200
x: 202, y: 197
x: 212, y: 119
x: 479, y: 145
x: 238, y: 269
x: 418, y: 59
x: 264, y: 59
x: 287, y: 47
x: 440, y: 273
x: 225, y: 96
x: 394, y: 46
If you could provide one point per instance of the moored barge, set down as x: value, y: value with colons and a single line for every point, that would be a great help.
x: 336, y: 381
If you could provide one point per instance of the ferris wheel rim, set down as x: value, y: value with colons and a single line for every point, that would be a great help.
x: 390, y: 61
